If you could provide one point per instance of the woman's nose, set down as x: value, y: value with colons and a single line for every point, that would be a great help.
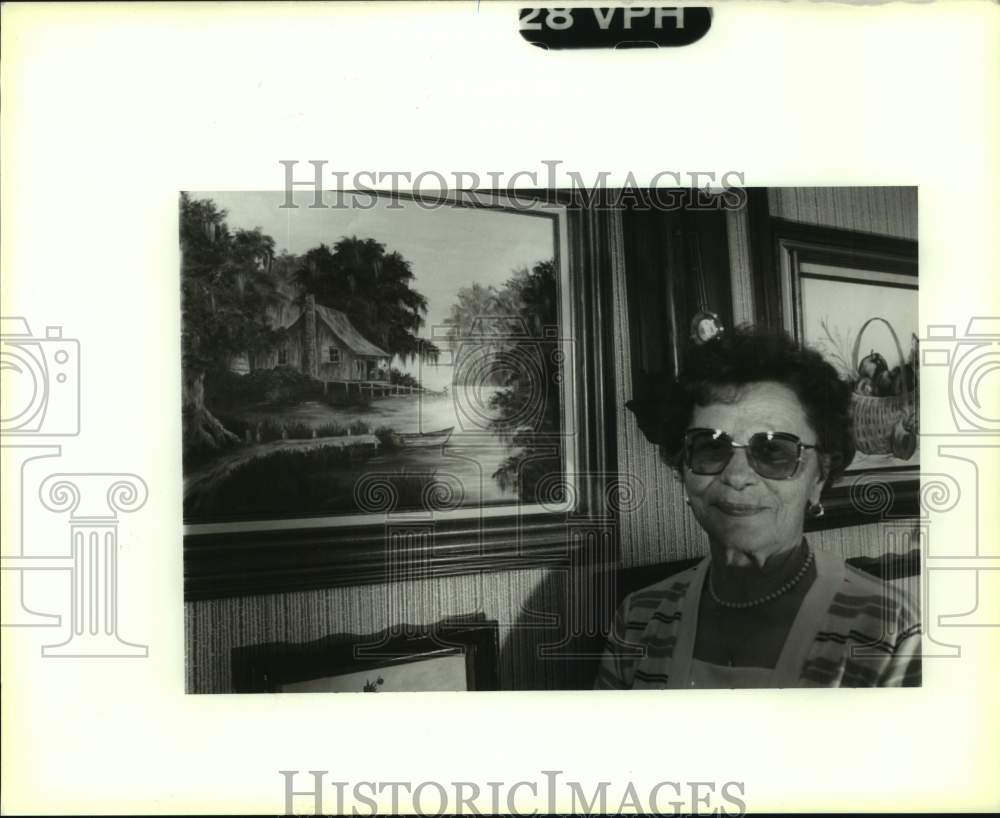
x: 738, y: 472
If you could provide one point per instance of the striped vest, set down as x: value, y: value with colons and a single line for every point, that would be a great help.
x: 852, y: 630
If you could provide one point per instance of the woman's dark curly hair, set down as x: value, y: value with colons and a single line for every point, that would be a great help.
x: 710, y: 373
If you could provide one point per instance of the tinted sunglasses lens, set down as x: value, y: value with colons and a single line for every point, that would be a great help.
x: 708, y: 454
x: 774, y: 457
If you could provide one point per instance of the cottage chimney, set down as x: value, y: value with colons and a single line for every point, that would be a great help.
x: 309, y: 364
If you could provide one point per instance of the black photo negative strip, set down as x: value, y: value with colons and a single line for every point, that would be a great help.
x: 615, y: 27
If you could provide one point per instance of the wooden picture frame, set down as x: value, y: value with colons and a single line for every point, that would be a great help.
x: 677, y: 270
x: 286, y: 554
x: 677, y: 266
x: 794, y: 258
x: 405, y: 658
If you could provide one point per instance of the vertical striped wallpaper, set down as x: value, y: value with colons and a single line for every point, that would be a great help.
x: 888, y: 211
x: 214, y: 627
x: 738, y: 234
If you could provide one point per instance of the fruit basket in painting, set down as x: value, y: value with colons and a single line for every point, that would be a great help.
x: 885, y: 399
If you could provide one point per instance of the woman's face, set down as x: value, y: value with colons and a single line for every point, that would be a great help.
x: 740, y: 510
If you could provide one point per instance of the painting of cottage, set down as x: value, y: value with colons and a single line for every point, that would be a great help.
x: 350, y: 364
x: 322, y: 343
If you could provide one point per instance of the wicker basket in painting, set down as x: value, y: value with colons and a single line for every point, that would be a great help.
x: 875, y: 417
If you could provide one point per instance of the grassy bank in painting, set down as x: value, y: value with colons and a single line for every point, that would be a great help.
x: 291, y: 472
x: 322, y: 478
x: 262, y: 427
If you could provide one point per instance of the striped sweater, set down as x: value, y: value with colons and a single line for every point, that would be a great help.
x: 852, y: 630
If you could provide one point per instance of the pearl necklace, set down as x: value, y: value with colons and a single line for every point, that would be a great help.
x: 767, y: 597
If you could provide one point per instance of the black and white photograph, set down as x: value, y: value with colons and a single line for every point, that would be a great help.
x: 451, y: 408
x: 648, y: 438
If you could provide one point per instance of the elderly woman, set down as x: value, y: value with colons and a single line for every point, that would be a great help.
x: 755, y: 428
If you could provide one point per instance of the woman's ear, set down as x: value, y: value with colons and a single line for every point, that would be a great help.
x: 824, y: 471
x: 825, y: 464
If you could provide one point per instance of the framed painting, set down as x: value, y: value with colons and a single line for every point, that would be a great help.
x: 445, y: 657
x: 853, y: 297
x: 389, y: 386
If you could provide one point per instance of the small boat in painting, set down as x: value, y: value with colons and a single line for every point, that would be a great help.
x: 420, y: 440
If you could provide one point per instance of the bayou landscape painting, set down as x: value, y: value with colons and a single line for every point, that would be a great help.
x: 347, y: 361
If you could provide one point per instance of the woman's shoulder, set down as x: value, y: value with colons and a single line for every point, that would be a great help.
x: 668, y: 592
x: 860, y: 591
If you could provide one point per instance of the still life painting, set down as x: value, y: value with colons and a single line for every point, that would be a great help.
x: 865, y: 324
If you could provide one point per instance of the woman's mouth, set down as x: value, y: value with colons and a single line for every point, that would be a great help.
x: 738, y: 509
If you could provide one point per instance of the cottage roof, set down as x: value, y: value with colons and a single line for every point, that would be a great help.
x: 340, y: 326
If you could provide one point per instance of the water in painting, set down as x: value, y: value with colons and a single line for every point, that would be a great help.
x: 355, y: 360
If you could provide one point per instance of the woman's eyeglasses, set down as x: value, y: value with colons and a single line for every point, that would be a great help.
x: 774, y: 455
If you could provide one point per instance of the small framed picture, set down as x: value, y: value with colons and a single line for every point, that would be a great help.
x: 445, y: 657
